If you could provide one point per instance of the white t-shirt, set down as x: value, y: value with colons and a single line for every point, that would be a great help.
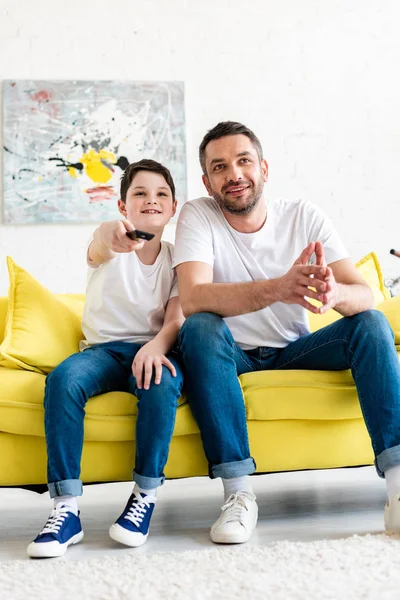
x: 126, y: 300
x: 203, y: 234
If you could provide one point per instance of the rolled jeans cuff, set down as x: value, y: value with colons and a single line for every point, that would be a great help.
x: 148, y: 483
x: 68, y: 487
x: 387, y: 459
x: 233, y: 469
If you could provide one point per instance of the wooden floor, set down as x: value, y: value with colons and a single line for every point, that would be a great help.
x: 300, y: 506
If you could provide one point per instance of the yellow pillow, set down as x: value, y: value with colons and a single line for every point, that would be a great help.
x: 391, y: 310
x: 41, y: 330
x: 370, y: 270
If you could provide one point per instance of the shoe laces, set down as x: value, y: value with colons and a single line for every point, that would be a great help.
x: 56, y: 519
x: 138, y: 509
x: 236, y: 504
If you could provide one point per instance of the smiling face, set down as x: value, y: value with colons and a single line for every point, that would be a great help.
x: 149, y: 203
x: 235, y: 174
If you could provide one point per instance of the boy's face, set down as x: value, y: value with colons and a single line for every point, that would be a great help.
x: 149, y: 204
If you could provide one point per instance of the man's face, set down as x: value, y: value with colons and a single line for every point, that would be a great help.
x: 149, y: 204
x: 235, y: 174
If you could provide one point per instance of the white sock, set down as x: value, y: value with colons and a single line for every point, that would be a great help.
x: 138, y: 489
x: 237, y: 484
x: 392, y: 477
x: 70, y: 501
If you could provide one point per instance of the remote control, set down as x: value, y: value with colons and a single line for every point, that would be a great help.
x: 138, y: 234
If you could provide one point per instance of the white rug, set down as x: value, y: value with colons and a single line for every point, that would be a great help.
x: 358, y: 567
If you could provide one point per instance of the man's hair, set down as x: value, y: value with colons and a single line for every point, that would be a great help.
x: 223, y: 129
x: 144, y: 165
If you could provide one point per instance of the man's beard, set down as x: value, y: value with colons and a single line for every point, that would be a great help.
x: 234, y: 209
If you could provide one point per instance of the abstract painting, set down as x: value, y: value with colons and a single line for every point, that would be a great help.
x: 67, y: 143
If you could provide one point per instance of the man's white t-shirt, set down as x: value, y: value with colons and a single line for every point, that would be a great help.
x: 126, y: 300
x: 203, y: 234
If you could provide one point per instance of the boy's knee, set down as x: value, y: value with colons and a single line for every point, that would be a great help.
x: 61, y: 376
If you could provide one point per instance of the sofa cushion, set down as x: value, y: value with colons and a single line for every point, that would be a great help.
x: 41, y: 330
x: 269, y: 396
x: 370, y: 269
x: 3, y: 313
x: 391, y: 310
x: 109, y: 417
x: 300, y: 395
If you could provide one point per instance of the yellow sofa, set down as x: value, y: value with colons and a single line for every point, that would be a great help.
x: 296, y: 419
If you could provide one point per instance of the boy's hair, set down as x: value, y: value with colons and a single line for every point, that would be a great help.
x: 223, y: 129
x: 145, y: 164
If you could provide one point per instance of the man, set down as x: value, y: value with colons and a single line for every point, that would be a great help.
x: 245, y: 281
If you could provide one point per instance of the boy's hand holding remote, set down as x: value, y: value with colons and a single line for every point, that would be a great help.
x: 110, y: 238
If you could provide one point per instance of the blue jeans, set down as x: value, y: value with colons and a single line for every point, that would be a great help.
x: 99, y: 369
x: 363, y: 343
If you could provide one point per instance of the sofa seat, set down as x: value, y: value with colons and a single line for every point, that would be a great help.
x: 304, y: 395
x: 268, y: 396
x: 109, y: 417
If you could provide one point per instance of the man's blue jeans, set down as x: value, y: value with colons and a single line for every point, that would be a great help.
x: 97, y: 370
x: 363, y: 343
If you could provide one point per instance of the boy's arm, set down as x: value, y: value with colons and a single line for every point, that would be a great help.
x: 166, y: 338
x: 153, y: 354
x: 110, y: 238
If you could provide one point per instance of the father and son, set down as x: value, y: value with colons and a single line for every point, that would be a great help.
x: 246, y: 269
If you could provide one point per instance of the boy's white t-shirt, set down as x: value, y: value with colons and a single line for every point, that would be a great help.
x: 126, y: 300
x: 203, y: 234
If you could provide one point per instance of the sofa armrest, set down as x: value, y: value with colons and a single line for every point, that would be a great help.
x: 391, y: 309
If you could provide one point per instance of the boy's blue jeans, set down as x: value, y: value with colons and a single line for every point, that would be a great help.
x: 212, y: 359
x: 97, y: 370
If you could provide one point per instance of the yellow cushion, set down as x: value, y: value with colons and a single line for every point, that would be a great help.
x: 41, y: 330
x: 300, y: 395
x: 3, y: 312
x: 391, y: 310
x: 370, y: 270
x: 109, y: 417
x: 75, y: 302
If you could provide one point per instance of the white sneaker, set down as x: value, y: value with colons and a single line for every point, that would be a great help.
x: 392, y: 514
x: 237, y: 521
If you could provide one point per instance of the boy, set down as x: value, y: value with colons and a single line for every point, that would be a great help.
x: 131, y: 321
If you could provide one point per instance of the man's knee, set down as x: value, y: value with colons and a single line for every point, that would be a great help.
x: 203, y: 330
x: 201, y: 325
x: 373, y: 323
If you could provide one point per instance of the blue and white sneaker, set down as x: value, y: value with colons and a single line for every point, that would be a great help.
x: 132, y: 527
x: 62, y: 529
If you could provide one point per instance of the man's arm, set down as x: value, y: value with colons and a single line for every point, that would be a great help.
x: 345, y: 290
x: 198, y: 293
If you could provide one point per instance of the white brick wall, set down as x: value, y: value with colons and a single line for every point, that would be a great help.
x: 318, y: 82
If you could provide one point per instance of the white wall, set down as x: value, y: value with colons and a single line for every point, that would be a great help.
x: 318, y: 81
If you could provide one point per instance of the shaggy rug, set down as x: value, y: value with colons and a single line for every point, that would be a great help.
x: 358, y: 567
